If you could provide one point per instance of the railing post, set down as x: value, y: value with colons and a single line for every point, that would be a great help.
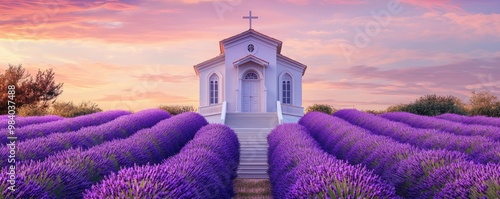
x: 279, y: 112
x: 223, y: 112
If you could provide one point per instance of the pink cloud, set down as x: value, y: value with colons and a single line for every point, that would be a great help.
x: 435, y: 5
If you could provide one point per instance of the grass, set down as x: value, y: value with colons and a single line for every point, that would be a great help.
x: 252, y: 189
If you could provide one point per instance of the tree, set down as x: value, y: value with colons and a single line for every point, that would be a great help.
x: 37, y: 92
x: 484, y: 103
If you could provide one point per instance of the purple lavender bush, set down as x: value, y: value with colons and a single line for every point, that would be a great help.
x: 204, y: 168
x: 68, y: 173
x: 64, y: 125
x: 355, y: 144
x: 462, y: 180
x: 30, y: 120
x: 481, y: 120
x: 426, y: 122
x: 480, y: 149
x: 298, y: 168
x: 406, y: 167
x: 122, y: 127
x: 476, y: 181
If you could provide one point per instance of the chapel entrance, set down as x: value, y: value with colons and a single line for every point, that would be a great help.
x: 251, y: 92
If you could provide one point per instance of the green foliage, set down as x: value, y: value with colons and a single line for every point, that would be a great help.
x: 68, y: 109
x: 375, y: 112
x: 431, y: 105
x: 30, y: 92
x: 177, y: 109
x: 484, y: 103
x: 63, y: 109
x: 325, y: 108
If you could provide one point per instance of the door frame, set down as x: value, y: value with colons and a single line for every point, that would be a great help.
x: 256, y: 83
x: 262, y: 89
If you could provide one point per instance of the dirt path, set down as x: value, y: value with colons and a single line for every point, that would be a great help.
x: 252, y: 189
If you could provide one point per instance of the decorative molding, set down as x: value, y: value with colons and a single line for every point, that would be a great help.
x: 250, y: 58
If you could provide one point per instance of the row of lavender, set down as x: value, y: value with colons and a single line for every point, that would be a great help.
x: 204, y: 168
x: 122, y: 127
x: 69, y: 173
x: 63, y: 125
x: 481, y: 149
x: 25, y: 121
x: 481, y: 120
x: 298, y: 168
x: 418, y: 121
x: 415, y: 173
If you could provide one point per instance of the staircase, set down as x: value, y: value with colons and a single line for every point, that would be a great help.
x: 252, y: 130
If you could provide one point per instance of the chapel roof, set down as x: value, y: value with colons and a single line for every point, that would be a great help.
x: 248, y: 33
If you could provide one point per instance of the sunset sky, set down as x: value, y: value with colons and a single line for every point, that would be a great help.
x: 133, y: 54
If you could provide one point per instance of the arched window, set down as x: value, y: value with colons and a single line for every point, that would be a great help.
x: 214, y: 89
x: 286, y: 87
x: 251, y: 75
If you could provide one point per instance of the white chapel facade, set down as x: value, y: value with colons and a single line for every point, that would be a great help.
x: 250, y: 75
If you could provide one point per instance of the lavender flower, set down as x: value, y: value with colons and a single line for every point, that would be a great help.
x: 202, y: 169
x: 479, y: 148
x: 68, y: 173
x: 122, y: 127
x: 298, y: 168
x: 426, y: 122
x: 481, y: 120
x: 30, y: 120
x: 64, y: 125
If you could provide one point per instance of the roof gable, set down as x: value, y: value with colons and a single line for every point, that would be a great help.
x: 250, y: 33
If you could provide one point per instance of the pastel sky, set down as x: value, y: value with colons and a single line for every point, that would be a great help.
x: 367, y: 54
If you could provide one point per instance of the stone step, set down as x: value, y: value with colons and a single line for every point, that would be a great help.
x: 251, y: 130
x: 253, y: 153
x: 253, y: 147
x: 251, y: 120
x: 252, y: 137
x: 256, y: 160
x: 253, y: 167
x: 262, y: 170
x: 253, y: 175
x: 253, y: 142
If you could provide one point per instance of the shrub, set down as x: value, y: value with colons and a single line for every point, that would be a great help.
x: 484, y: 103
x: 68, y: 109
x: 325, y: 108
x: 177, y: 109
x: 375, y: 112
x: 31, y: 110
x: 432, y: 105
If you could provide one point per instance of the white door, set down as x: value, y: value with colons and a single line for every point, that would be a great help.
x: 251, y: 96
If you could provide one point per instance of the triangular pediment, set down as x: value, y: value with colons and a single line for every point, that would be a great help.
x: 250, y: 58
x: 251, y: 34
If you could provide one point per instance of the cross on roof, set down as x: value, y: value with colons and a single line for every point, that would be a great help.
x: 250, y: 17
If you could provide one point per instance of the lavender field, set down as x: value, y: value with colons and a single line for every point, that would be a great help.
x: 350, y: 154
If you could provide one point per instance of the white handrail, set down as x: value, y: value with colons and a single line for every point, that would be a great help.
x: 223, y: 112
x: 279, y: 112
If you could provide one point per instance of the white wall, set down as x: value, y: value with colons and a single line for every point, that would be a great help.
x: 204, y: 83
x: 296, y: 81
x: 263, y: 51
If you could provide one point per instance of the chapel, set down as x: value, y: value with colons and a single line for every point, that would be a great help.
x: 250, y: 75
